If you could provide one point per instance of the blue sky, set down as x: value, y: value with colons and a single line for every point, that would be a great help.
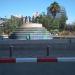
x: 28, y: 7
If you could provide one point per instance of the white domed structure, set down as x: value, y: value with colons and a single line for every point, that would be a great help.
x: 31, y: 31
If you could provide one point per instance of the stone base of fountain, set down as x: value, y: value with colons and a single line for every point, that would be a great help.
x: 31, y: 31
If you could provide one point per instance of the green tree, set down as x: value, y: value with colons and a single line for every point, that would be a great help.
x: 11, y: 24
x: 57, y: 22
x: 62, y: 22
x: 54, y: 8
x: 44, y: 20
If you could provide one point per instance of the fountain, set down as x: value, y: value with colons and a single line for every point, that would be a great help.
x: 30, y: 31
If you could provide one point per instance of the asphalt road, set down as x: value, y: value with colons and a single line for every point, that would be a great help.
x: 38, y: 69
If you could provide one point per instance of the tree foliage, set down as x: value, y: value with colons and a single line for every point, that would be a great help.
x: 11, y: 24
x: 62, y: 22
x: 54, y: 8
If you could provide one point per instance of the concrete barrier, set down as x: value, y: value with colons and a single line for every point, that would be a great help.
x: 37, y: 60
x: 36, y: 48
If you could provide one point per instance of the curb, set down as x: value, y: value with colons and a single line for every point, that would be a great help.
x: 23, y: 60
